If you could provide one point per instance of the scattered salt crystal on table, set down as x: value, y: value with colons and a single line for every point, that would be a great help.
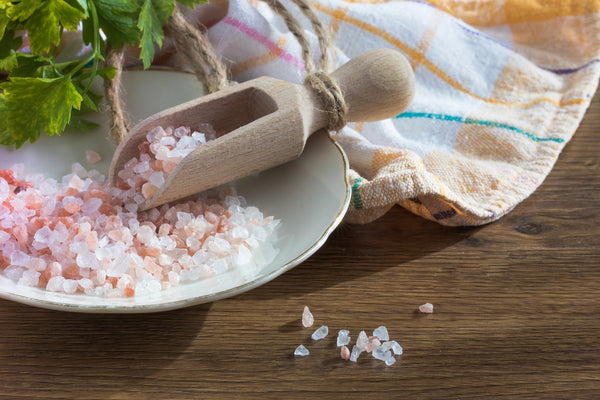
x: 380, y: 353
x: 389, y: 359
x: 301, y: 351
x: 362, y: 341
x: 92, y: 157
x: 372, y: 344
x: 382, y: 333
x: 394, y: 346
x: 426, y: 308
x: 355, y: 353
x: 343, y: 337
x: 307, y: 317
x: 320, y: 333
x: 345, y: 353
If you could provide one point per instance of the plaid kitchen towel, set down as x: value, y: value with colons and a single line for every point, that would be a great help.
x: 501, y: 86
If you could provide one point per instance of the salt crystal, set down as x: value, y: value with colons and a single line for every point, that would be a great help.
x: 355, y: 353
x: 373, y: 343
x: 307, y: 318
x: 14, y: 272
x: 167, y: 141
x: 55, y: 284
x: 70, y: 286
x: 4, y: 190
x: 157, y: 179
x: 426, y: 308
x: 87, y: 259
x: 389, y: 359
x: 29, y: 278
x: 343, y: 337
x: 382, y: 333
x: 19, y: 258
x: 320, y: 333
x: 4, y: 211
x: 43, y: 235
x: 381, y: 352
x: 394, y: 346
x: 301, y: 351
x: 199, y: 137
x: 244, y: 256
x: 155, y: 134
x: 362, y: 341
x: 92, y: 157
x: 91, y: 206
x: 239, y: 232
x: 119, y: 266
x: 345, y: 353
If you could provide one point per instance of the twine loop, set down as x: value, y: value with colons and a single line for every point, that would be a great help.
x: 197, y: 52
x: 331, y: 95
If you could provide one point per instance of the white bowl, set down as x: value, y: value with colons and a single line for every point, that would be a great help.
x: 309, y: 195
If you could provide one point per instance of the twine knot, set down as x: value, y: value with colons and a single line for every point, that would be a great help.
x: 331, y: 95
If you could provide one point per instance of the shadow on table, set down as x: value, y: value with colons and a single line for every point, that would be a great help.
x: 80, y: 346
x: 356, y: 251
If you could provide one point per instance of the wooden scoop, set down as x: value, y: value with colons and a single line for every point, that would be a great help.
x: 267, y: 122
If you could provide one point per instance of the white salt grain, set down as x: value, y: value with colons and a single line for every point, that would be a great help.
x: 380, y: 353
x: 389, y: 359
x: 382, y: 333
x: 355, y: 353
x: 426, y: 308
x: 320, y: 333
x: 301, y: 351
x: 343, y: 337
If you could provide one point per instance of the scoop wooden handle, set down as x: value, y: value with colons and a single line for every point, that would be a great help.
x: 376, y: 85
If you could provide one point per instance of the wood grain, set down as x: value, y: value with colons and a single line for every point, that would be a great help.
x: 517, y: 306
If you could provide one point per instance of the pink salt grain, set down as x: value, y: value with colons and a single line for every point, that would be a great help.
x: 345, y: 353
x: 426, y: 308
x: 81, y: 236
x: 92, y: 157
x: 307, y: 318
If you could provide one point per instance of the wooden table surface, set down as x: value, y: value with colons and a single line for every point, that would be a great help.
x: 517, y: 315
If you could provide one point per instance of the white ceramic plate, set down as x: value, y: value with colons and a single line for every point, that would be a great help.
x: 309, y: 196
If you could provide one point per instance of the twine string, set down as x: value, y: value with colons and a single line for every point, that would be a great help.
x: 197, y: 52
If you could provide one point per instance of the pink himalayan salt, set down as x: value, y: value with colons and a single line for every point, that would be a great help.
x: 362, y: 340
x: 426, y: 308
x: 92, y: 157
x: 85, y: 237
x: 307, y: 318
x: 345, y: 353
x: 372, y: 344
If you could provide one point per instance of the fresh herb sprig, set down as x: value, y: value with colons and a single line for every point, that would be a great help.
x: 40, y: 94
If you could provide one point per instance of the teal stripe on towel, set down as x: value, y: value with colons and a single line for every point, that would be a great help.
x: 471, y: 121
x: 358, y: 204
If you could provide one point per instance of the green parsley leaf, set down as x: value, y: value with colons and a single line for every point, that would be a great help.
x: 152, y: 17
x: 44, y: 24
x: 8, y: 63
x: 117, y: 20
x: 27, y: 65
x: 4, y: 20
x: 23, y: 9
x: 52, y: 100
x: 5, y: 135
x: 9, y: 43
